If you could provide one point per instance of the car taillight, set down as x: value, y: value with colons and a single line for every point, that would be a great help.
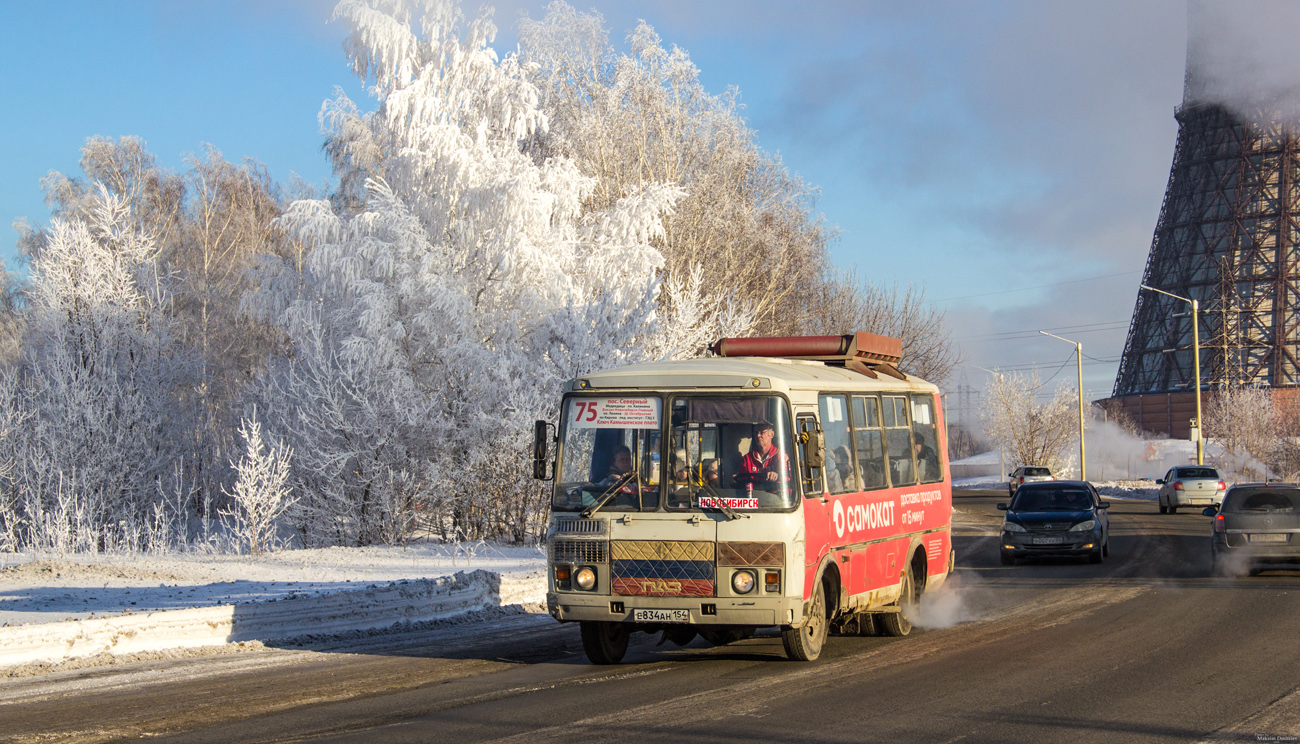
x: 1222, y: 486
x: 1219, y: 524
x: 1178, y: 485
x: 1022, y: 479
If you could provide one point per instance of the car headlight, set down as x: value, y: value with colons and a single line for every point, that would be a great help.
x: 742, y: 582
x: 1084, y: 525
x: 585, y: 578
x: 1012, y: 527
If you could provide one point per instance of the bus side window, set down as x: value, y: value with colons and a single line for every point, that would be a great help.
x: 898, y: 441
x: 929, y: 461
x: 840, y: 477
x: 869, y: 442
x: 811, y: 477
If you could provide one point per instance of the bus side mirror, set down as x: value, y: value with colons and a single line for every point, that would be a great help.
x: 814, y: 448
x: 542, y: 451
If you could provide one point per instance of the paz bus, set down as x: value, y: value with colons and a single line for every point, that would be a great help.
x: 796, y: 483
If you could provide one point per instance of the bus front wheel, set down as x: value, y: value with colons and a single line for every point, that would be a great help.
x: 805, y: 643
x: 604, y: 643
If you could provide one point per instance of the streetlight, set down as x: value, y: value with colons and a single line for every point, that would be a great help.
x: 1196, y: 367
x: 1002, y: 460
x: 1078, y: 349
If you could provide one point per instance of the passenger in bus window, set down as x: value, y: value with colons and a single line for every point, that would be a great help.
x: 709, y: 473
x: 927, y: 462
x: 839, y: 464
x: 765, y: 466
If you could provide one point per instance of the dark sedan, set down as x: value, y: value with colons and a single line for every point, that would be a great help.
x: 1257, y: 525
x: 1056, y: 518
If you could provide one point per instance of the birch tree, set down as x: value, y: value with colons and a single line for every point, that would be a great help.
x: 746, y: 223
x: 1032, y: 433
x: 450, y: 287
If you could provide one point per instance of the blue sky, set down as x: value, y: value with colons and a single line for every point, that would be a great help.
x: 1009, y: 157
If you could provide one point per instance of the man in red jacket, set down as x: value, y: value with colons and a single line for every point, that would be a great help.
x: 765, y: 466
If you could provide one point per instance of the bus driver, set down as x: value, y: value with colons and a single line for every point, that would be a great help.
x: 765, y: 466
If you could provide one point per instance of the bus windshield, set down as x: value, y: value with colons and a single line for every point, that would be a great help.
x: 731, y: 452
x: 610, y: 454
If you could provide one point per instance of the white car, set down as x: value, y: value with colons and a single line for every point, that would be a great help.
x: 1190, y: 485
x: 1028, y: 474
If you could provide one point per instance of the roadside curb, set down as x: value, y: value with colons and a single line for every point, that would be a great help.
x: 411, y: 601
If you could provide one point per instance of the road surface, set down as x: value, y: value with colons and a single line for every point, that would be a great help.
x: 1146, y: 647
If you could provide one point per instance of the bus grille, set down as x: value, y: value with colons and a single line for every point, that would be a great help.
x: 662, y: 568
x: 579, y: 551
x: 579, y: 527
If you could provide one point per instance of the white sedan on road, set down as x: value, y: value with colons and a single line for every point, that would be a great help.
x: 1190, y: 485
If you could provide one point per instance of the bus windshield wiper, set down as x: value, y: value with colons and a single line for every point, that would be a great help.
x: 727, y: 511
x: 608, y: 495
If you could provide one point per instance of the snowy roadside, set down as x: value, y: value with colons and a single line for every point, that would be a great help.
x: 1141, y: 490
x: 36, y: 588
x: 54, y: 610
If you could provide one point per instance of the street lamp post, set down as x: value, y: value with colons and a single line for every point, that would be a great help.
x: 1078, y: 350
x: 1196, y: 367
x: 1002, y: 460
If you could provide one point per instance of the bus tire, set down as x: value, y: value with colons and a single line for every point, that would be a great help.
x: 896, y: 624
x: 604, y: 643
x: 805, y: 643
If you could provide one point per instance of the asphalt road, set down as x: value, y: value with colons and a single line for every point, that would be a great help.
x: 1145, y: 647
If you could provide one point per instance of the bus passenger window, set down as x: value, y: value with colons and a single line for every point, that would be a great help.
x: 925, y: 439
x: 840, y: 477
x: 811, y: 477
x: 869, y: 442
x: 898, y: 441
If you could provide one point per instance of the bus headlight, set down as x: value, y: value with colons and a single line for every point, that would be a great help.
x: 742, y: 582
x: 585, y: 578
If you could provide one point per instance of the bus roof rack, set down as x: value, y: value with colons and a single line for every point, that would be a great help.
x: 865, y: 353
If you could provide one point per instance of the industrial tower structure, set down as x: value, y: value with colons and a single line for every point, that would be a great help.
x: 1228, y: 236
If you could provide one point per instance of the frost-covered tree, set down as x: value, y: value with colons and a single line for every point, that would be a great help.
x: 746, y: 223
x: 1245, y: 423
x: 843, y: 302
x: 1032, y: 433
x: 104, y: 385
x: 261, y: 494
x: 450, y: 287
x: 206, y: 224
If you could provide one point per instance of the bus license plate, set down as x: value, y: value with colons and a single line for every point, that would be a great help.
x: 1049, y: 540
x: 661, y: 616
x: 1274, y: 538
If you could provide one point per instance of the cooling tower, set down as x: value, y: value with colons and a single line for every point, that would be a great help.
x: 1227, y: 236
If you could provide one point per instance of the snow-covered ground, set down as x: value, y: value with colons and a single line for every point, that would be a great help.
x: 1144, y: 490
x: 43, y: 588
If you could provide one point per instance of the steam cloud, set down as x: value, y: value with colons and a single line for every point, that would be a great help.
x: 1243, y: 55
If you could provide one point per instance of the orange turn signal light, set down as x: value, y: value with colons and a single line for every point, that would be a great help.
x: 562, y: 572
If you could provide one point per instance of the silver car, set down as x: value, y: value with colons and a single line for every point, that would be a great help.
x: 1027, y: 474
x: 1190, y: 485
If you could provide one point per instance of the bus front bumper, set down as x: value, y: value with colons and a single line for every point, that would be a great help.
x: 758, y: 611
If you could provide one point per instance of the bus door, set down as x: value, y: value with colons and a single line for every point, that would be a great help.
x: 824, y: 507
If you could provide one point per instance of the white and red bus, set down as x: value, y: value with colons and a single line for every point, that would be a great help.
x: 794, y: 482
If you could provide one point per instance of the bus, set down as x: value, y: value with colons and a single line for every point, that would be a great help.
x: 796, y: 483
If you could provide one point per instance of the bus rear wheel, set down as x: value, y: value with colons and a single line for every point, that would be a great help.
x: 805, y: 643
x: 604, y: 643
x: 896, y: 624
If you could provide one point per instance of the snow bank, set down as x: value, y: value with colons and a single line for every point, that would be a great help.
x: 373, y: 607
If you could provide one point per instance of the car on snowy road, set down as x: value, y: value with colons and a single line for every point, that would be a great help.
x: 1190, y: 485
x: 1060, y: 518
x: 1257, y: 525
x: 1027, y: 474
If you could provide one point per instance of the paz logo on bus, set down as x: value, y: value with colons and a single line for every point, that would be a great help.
x: 660, y: 586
